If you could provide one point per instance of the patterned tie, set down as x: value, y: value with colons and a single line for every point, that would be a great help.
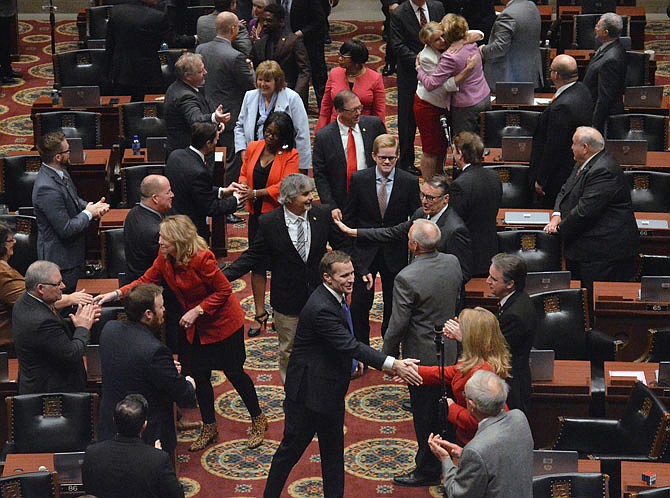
x: 302, y: 240
x: 69, y: 185
x: 347, y: 313
x: 287, y: 10
x: 422, y: 17
x: 381, y: 196
x: 352, y: 163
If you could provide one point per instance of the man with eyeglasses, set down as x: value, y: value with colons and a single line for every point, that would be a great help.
x: 342, y: 147
x: 62, y: 216
x: 49, y: 350
x: 382, y: 196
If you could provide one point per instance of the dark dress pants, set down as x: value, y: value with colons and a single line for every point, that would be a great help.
x: 425, y: 411
x: 314, y: 45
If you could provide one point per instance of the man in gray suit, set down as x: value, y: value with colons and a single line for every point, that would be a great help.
x: 427, y: 293
x: 498, y: 462
x: 206, y: 27
x: 513, y: 50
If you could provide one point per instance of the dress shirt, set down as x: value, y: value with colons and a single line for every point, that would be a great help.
x: 221, y: 192
x: 152, y: 210
x: 292, y: 227
x: 504, y: 299
x: 416, y: 8
x: 562, y: 89
x: 437, y: 215
x: 389, y: 183
x: 61, y: 174
x: 361, y: 163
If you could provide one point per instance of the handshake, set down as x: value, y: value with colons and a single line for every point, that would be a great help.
x: 407, y: 370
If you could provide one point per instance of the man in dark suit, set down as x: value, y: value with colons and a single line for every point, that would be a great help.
x: 280, y: 44
x: 125, y: 465
x: 518, y: 321
x: 335, y: 158
x: 7, y: 13
x: 194, y: 193
x: 49, y: 351
x: 294, y: 275
x: 382, y: 196
x: 62, y: 216
x: 551, y: 158
x: 594, y: 215
x: 425, y: 295
x: 480, y: 14
x: 186, y: 103
x: 134, y: 360
x: 135, y: 32
x: 606, y: 74
x: 406, y: 21
x: 318, y: 378
x: 476, y: 195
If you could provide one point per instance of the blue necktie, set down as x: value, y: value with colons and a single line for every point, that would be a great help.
x: 347, y: 313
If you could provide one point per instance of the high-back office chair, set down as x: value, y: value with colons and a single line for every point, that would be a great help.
x: 658, y: 346
x: 584, y: 36
x: 131, y: 178
x: 637, y: 69
x: 649, y: 191
x: 540, y: 251
x: 506, y: 123
x: 97, y: 18
x: 25, y: 234
x: 649, y: 493
x: 649, y: 127
x: 144, y: 119
x: 576, y: 485
x: 74, y: 124
x: 193, y: 12
x: 30, y: 485
x: 82, y: 68
x: 654, y: 265
x: 113, y: 253
x: 18, y: 177
x: 107, y: 313
x: 515, y: 187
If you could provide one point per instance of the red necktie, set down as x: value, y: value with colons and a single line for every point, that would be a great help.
x: 352, y: 163
x: 422, y: 17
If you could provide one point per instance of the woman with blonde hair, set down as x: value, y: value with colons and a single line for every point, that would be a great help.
x: 213, y: 322
x: 484, y: 348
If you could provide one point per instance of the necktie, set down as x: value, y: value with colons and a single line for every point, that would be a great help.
x: 422, y: 17
x: 287, y: 9
x: 347, y: 313
x: 352, y: 163
x: 302, y: 240
x: 69, y: 185
x: 381, y: 196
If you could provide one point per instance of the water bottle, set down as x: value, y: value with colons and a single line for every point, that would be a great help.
x: 136, y: 146
x: 54, y: 97
x: 164, y: 46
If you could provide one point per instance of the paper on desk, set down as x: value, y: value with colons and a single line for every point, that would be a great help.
x: 218, y: 157
x: 542, y: 101
x: 630, y: 373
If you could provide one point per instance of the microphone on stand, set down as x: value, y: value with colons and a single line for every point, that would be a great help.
x: 445, y: 127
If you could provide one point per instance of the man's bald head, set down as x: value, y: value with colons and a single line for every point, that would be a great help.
x: 156, y: 193
x: 564, y: 70
x: 226, y: 22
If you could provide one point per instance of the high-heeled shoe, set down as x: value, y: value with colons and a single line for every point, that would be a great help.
x: 208, y: 435
x: 262, y: 320
x: 257, y: 432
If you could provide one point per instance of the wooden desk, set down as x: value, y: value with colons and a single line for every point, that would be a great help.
x: 113, y: 219
x: 588, y: 466
x: 568, y: 394
x: 95, y: 286
x: 616, y: 395
x: 631, y: 474
x: 21, y: 463
x: 478, y: 293
x: 619, y: 313
x: 638, y: 21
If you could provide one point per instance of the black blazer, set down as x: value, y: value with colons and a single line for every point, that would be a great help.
x: 597, y: 219
x: 125, y: 466
x: 194, y: 194
x: 183, y: 107
x: 293, y: 279
x: 49, y: 351
x: 606, y: 80
x: 329, y: 159
x: 310, y: 17
x: 480, y: 14
x: 135, y: 361
x: 476, y: 196
x: 319, y: 369
x: 140, y: 240
x: 551, y: 159
x: 518, y: 321
x: 362, y: 211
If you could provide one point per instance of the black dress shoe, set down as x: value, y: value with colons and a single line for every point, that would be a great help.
x: 231, y: 218
x: 416, y: 479
x: 388, y: 70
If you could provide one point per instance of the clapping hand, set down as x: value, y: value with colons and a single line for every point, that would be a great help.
x: 442, y: 448
x: 452, y: 330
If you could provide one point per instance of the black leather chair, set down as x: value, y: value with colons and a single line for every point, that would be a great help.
x: 51, y: 423
x: 25, y: 233
x: 131, y: 178
x: 654, y: 265
x: 577, y: 485
x: 584, y: 36
x: 637, y: 69
x: 650, y: 493
x: 541, y: 251
x: 82, y: 68
x: 649, y: 127
x: 658, y: 346
x: 515, y: 187
x: 548, y: 85
x: 144, y: 119
x: 192, y: 14
x: 107, y: 313
x: 74, y: 124
x: 167, y: 60
x: 649, y: 191
x: 30, y: 485
x: 97, y: 18
x: 113, y: 253
x: 18, y: 178
x: 497, y: 124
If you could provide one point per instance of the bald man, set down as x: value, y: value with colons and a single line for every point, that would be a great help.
x: 551, y: 159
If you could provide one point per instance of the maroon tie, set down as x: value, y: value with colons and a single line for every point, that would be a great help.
x: 422, y: 17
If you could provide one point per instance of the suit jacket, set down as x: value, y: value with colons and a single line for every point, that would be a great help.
x: 497, y: 462
x: 290, y: 53
x: 293, y: 279
x: 330, y: 159
x: 194, y: 194
x: 405, y: 39
x: 455, y: 236
x: 184, y: 105
x: 49, y: 351
x: 230, y: 77
x: 206, y: 31
x: 135, y: 32
x: 140, y: 240
x: 597, y: 219
x: 310, y: 17
x: 513, y: 50
x: 427, y: 293
x: 61, y: 222
x: 606, y: 80
x: 135, y: 361
x: 362, y: 211
x: 518, y: 321
x: 319, y: 369
x: 480, y: 14
x: 476, y: 196
x: 125, y: 466
x: 551, y: 159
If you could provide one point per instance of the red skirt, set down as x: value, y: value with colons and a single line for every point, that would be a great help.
x: 427, y: 118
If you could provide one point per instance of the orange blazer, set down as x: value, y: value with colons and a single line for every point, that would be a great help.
x: 285, y: 163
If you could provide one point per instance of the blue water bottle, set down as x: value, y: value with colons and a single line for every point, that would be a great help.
x: 136, y: 146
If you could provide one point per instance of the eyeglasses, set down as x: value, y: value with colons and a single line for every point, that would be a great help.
x: 66, y: 151
x: 387, y: 158
x: 57, y: 284
x: 429, y: 198
x: 355, y: 109
x: 344, y: 56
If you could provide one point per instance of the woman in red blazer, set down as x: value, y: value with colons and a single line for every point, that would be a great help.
x: 484, y: 348
x: 265, y: 165
x: 213, y: 322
